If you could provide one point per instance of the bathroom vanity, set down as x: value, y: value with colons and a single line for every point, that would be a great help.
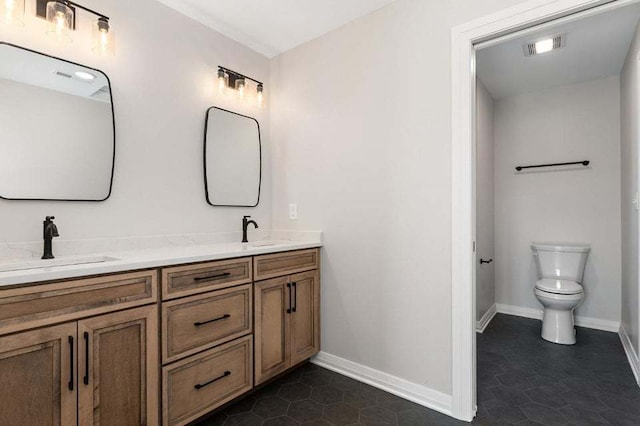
x: 162, y: 344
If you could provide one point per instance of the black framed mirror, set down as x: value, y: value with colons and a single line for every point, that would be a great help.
x: 232, y: 159
x: 58, y: 137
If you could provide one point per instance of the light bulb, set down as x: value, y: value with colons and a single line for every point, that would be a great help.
x: 222, y: 83
x: 103, y: 43
x: 260, y: 91
x: 240, y: 85
x: 12, y: 12
x: 61, y: 24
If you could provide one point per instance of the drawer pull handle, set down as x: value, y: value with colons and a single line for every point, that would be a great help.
x: 295, y: 296
x: 86, y: 357
x: 71, y: 363
x: 212, y: 277
x: 225, y: 374
x: 199, y: 323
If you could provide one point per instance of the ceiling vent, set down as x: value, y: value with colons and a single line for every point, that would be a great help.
x: 544, y: 45
x: 62, y: 74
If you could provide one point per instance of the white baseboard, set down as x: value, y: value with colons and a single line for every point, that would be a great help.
x: 413, y: 392
x: 587, y: 322
x: 486, y: 319
x: 632, y: 355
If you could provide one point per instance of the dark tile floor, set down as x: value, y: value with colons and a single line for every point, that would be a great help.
x: 522, y: 380
x: 525, y: 380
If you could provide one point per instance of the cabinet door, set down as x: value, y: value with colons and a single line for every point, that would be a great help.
x: 272, y: 300
x: 305, y: 316
x: 38, y: 371
x: 118, y: 368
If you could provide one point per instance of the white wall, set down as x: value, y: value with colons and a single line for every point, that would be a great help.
x: 571, y: 123
x: 361, y: 134
x: 485, y: 273
x: 629, y: 91
x: 163, y: 80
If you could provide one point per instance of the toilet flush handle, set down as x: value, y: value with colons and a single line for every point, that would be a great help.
x: 485, y: 261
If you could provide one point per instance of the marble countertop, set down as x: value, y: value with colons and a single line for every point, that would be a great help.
x: 119, y: 261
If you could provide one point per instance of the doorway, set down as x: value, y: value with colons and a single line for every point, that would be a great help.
x: 528, y: 18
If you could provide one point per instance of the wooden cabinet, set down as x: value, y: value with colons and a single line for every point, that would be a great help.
x: 287, y: 322
x: 87, y: 351
x: 185, y: 280
x: 272, y: 312
x: 118, y: 368
x: 198, y: 384
x: 102, y: 370
x: 38, y: 370
x: 305, y: 318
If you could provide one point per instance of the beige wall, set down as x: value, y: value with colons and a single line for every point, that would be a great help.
x: 361, y: 123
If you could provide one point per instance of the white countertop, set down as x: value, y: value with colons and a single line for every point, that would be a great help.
x: 149, y: 258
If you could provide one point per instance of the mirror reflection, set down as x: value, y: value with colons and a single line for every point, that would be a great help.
x: 57, y: 131
x: 232, y: 165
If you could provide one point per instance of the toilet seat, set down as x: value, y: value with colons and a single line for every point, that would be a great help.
x: 554, y: 286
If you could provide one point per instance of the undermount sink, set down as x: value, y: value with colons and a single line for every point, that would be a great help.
x: 50, y: 263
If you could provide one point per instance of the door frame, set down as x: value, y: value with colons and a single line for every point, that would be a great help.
x: 484, y: 31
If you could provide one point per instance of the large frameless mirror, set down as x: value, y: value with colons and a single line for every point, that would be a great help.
x: 232, y: 159
x: 57, y: 128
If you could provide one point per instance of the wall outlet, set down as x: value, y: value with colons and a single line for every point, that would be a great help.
x: 293, y: 211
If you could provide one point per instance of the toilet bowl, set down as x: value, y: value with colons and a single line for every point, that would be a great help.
x: 560, y: 270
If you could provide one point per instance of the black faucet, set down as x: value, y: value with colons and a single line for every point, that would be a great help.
x: 49, y: 230
x: 245, y: 225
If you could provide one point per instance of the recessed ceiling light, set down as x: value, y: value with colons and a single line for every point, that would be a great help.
x: 85, y: 75
x: 544, y: 45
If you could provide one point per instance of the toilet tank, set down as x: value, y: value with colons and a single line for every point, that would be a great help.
x: 561, y: 260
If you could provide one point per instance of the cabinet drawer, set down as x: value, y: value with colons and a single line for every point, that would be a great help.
x: 194, y: 386
x: 186, y: 280
x: 206, y: 320
x: 43, y: 304
x: 275, y: 265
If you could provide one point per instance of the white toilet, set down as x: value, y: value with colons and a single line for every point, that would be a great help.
x: 560, y: 269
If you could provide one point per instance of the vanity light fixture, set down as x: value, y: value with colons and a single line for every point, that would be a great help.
x: 12, y: 12
x: 234, y: 80
x: 61, y: 15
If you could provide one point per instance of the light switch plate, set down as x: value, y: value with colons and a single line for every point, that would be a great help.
x: 636, y: 201
x: 293, y: 211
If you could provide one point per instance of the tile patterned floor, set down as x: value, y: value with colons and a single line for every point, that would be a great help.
x: 522, y: 380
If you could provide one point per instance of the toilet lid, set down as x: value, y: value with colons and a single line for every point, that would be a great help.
x: 559, y: 286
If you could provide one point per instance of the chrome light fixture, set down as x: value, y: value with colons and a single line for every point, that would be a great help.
x: 61, y: 16
x: 12, y: 12
x: 229, y: 79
